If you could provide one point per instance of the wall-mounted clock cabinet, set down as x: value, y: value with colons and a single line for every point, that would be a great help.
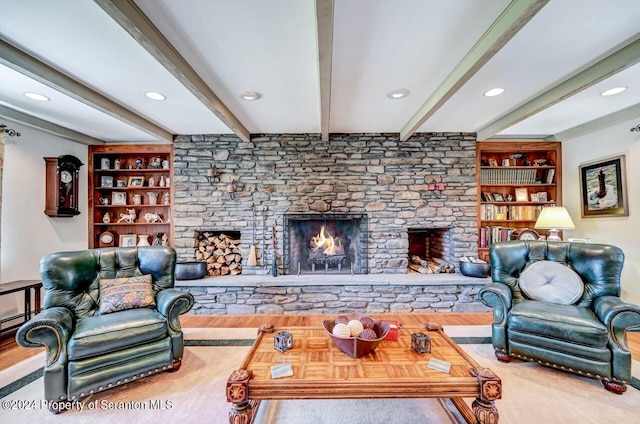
x: 61, y: 186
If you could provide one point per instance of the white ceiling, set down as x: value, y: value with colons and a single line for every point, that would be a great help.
x: 96, y: 59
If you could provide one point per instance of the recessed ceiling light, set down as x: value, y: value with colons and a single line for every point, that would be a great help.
x: 399, y: 93
x: 494, y: 92
x: 612, y: 91
x: 154, y: 95
x: 250, y: 95
x: 38, y: 97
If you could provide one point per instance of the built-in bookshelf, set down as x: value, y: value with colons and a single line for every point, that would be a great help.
x: 515, y: 181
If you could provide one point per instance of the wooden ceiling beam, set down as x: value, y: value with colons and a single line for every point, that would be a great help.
x: 46, y: 126
x: 33, y: 68
x: 324, y: 24
x: 511, y: 20
x: 130, y: 17
x: 622, y: 59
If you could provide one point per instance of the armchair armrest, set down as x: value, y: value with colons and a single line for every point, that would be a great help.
x: 172, y: 303
x: 619, y: 316
x: 499, y: 297
x: 50, y: 328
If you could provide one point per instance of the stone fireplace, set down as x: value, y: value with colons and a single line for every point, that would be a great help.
x: 325, y: 243
x: 369, y: 190
x: 430, y: 243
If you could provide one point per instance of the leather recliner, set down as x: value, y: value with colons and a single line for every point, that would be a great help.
x: 587, y: 337
x: 87, y: 352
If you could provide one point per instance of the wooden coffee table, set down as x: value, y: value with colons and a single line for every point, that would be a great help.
x: 393, y: 370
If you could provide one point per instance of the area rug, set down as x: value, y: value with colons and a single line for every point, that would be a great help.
x: 196, y: 393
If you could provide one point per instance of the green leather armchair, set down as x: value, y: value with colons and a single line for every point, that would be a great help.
x: 587, y: 337
x: 87, y: 352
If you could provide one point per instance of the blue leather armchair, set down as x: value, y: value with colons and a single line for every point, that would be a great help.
x: 587, y: 337
x: 88, y: 352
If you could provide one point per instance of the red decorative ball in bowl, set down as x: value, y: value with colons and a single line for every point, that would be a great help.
x: 357, y: 346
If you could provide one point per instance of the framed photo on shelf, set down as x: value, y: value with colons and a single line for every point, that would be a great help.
x: 127, y: 240
x: 487, y: 197
x: 542, y: 196
x: 603, y: 187
x: 106, y: 181
x: 522, y: 194
x: 121, y: 183
x: 493, y: 162
x: 498, y: 197
x: 136, y: 181
x: 534, y: 197
x: 118, y: 198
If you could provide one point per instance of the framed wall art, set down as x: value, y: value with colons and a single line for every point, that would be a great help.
x: 603, y: 185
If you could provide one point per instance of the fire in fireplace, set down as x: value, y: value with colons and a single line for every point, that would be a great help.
x: 326, y: 243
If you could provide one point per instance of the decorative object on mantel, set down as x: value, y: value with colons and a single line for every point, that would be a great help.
x: 436, y: 188
x: 190, y: 270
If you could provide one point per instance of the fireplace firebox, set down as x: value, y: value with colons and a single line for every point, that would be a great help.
x: 326, y: 243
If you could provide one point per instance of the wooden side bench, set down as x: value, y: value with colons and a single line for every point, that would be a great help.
x: 25, y: 286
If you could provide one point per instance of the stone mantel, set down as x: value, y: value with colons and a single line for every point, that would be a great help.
x: 306, y: 280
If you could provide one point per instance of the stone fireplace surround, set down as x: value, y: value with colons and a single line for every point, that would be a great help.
x: 282, y: 174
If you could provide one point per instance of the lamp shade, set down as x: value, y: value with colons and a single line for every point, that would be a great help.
x: 554, y: 218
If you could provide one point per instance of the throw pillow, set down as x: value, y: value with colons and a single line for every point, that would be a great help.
x: 120, y: 294
x: 551, y: 282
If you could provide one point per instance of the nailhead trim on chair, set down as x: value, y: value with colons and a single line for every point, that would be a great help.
x: 599, y: 377
x: 52, y: 328
x: 101, y: 388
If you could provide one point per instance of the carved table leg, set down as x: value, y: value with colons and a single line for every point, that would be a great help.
x: 243, y: 409
x: 243, y: 413
x: 485, y: 412
x: 490, y: 389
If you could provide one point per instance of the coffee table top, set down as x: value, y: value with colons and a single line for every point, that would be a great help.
x: 393, y: 370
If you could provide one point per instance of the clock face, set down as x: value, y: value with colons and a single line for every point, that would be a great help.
x: 106, y: 238
x: 528, y: 236
x: 66, y: 177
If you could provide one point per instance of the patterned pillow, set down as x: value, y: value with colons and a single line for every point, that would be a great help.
x: 551, y: 282
x: 120, y: 294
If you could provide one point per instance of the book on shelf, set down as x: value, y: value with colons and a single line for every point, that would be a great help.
x: 550, y: 174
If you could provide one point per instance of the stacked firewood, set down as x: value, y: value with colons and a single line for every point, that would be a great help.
x: 220, y: 252
x: 430, y: 266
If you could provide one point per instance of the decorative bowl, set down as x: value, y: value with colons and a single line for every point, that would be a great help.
x: 475, y: 269
x: 190, y: 270
x: 355, y: 346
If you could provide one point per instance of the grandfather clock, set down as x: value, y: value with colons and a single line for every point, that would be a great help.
x: 61, y: 187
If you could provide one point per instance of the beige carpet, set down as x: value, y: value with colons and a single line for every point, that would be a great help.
x: 195, y: 394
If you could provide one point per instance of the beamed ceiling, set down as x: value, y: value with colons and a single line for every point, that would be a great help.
x: 320, y: 66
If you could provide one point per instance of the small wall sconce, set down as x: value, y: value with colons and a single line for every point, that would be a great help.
x: 231, y: 189
x: 213, y: 175
x: 420, y: 342
x: 436, y: 188
x: 283, y: 341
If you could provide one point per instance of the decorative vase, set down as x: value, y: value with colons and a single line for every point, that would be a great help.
x: 167, y: 198
x: 157, y: 239
x: 161, y: 182
x: 143, y: 240
x: 153, y: 197
x: 137, y: 199
x: 106, y: 218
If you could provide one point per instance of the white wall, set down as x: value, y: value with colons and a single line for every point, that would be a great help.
x: 27, y: 233
x: 623, y: 232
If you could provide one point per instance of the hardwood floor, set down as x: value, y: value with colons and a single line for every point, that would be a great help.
x: 11, y: 353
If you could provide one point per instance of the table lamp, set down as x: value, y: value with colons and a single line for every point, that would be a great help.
x: 554, y: 219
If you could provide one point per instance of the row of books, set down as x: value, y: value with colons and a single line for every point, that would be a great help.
x: 507, y: 175
x: 492, y: 234
x: 491, y: 212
